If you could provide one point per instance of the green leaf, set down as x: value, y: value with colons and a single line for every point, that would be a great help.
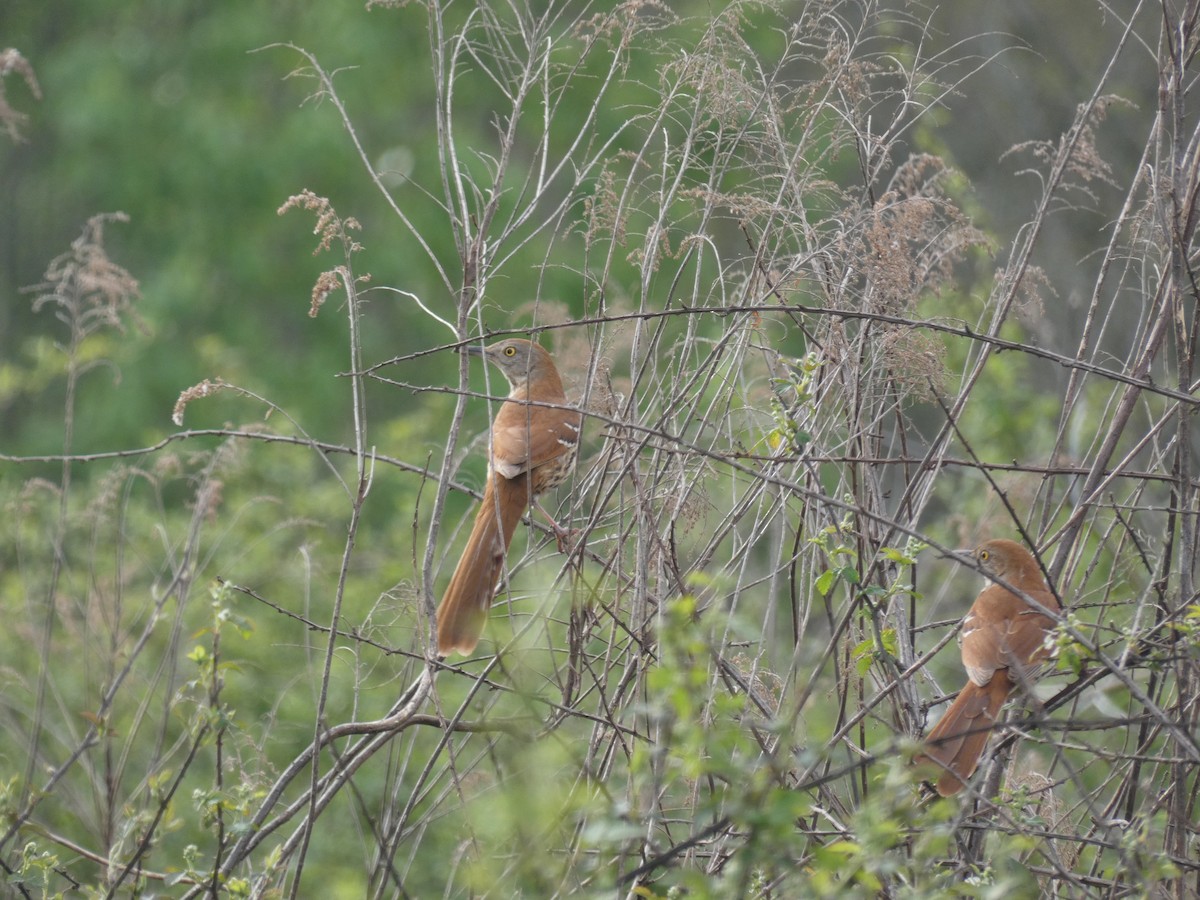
x: 864, y: 655
x: 825, y: 581
x: 898, y: 556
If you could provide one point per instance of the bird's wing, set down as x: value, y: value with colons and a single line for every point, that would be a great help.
x: 525, y: 436
x: 1025, y: 635
x: 1002, y: 629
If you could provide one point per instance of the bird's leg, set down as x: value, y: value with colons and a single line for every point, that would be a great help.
x: 562, y: 536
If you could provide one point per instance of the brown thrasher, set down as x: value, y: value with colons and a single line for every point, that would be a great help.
x: 1003, y: 640
x: 533, y: 448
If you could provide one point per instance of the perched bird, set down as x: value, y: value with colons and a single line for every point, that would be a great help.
x: 1003, y: 640
x: 533, y: 449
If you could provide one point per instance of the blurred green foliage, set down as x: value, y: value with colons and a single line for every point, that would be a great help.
x: 164, y: 112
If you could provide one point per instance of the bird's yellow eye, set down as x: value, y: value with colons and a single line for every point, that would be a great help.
x: 983, y: 555
x: 510, y: 351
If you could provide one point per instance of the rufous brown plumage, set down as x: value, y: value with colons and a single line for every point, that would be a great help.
x: 1003, y: 641
x: 534, y: 442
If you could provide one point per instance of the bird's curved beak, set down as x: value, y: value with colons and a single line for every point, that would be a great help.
x: 471, y: 349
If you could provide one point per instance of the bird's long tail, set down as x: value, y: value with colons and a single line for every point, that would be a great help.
x: 957, y: 740
x: 464, y: 607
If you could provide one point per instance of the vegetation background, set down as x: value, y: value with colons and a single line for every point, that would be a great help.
x: 842, y: 285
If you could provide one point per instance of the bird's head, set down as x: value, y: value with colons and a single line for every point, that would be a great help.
x: 1006, y: 560
x: 520, y: 361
